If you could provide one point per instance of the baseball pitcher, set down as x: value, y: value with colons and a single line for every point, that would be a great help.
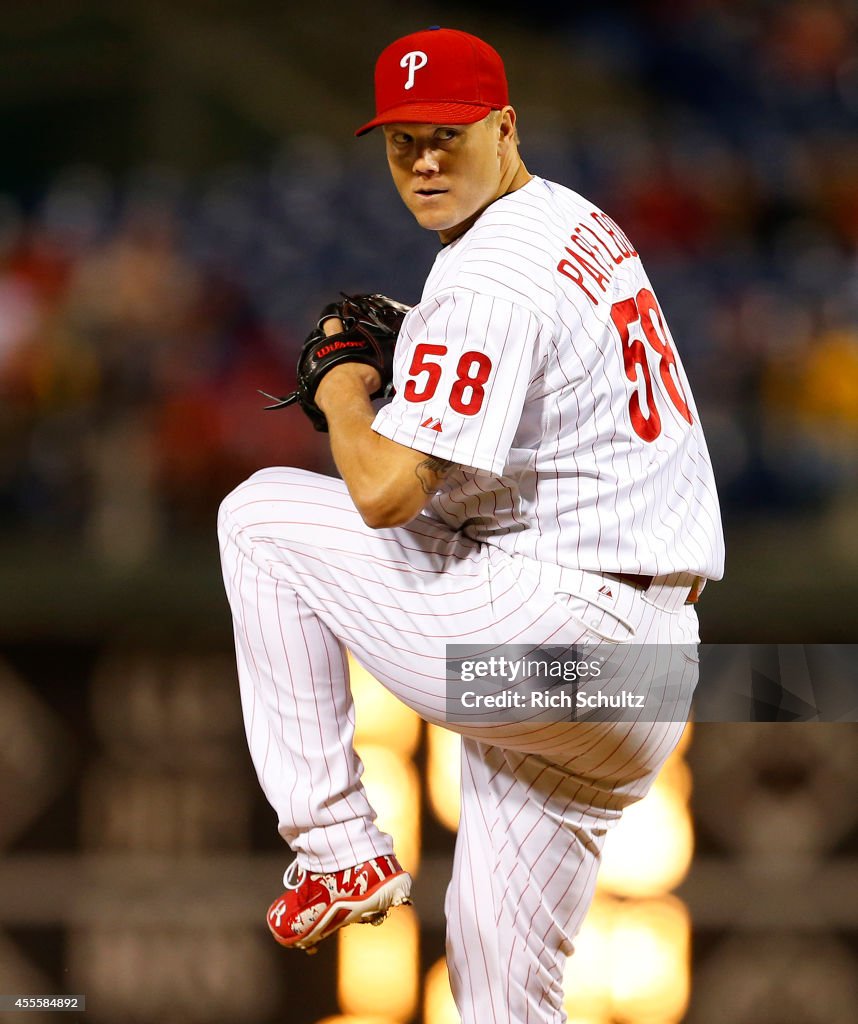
x: 539, y: 478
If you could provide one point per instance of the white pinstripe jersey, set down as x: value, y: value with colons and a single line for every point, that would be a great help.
x: 539, y: 361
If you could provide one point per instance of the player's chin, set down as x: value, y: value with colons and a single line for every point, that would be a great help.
x: 433, y: 219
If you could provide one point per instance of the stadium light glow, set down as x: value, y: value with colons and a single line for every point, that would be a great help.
x: 378, y: 968
x: 650, y: 850
x: 683, y: 744
x: 379, y: 716
x: 351, y: 1019
x: 631, y: 963
x: 443, y: 765
x: 439, y: 1006
x: 589, y: 971
x: 393, y: 787
x: 651, y: 941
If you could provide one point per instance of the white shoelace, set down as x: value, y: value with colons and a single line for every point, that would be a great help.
x: 294, y: 875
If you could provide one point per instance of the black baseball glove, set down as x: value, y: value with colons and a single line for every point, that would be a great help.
x: 370, y: 327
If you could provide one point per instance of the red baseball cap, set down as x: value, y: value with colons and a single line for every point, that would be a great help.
x: 439, y: 76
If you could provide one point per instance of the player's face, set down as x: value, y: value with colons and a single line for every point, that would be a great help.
x: 448, y: 174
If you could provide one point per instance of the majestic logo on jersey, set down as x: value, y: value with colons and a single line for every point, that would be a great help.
x: 414, y: 61
x: 433, y: 423
x: 605, y: 591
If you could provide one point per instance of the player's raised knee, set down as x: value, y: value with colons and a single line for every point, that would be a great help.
x: 263, y: 496
x: 251, y: 494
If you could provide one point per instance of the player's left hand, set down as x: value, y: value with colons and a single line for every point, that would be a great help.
x: 369, y: 326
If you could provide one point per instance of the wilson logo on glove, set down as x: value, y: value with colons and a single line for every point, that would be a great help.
x: 370, y: 328
x: 325, y: 349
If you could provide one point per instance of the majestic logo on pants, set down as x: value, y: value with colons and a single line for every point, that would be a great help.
x: 414, y: 61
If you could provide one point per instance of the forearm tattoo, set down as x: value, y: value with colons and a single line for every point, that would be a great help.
x: 429, y: 469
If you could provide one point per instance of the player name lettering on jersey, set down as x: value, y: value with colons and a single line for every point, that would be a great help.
x: 596, y: 248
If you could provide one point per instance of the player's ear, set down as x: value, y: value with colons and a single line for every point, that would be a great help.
x: 507, y: 132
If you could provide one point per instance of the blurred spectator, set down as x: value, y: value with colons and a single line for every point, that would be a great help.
x: 137, y: 319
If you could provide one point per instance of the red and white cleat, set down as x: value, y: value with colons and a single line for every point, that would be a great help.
x: 315, y: 905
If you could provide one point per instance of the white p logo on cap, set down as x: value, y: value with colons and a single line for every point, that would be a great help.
x: 414, y: 61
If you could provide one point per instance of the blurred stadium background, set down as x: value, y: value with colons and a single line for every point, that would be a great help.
x: 179, y: 195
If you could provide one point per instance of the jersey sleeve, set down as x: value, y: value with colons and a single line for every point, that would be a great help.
x: 463, y: 365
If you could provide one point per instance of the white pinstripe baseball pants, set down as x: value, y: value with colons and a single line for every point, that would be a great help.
x: 305, y: 577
